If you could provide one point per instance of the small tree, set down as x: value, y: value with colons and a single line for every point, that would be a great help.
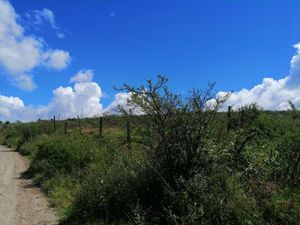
x: 178, y: 128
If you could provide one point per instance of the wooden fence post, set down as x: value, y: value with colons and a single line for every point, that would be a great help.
x: 79, y: 123
x: 128, y: 134
x: 54, y: 124
x: 228, y: 118
x: 65, y: 127
x: 101, y: 126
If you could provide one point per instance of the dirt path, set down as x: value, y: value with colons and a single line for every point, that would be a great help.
x: 20, y: 202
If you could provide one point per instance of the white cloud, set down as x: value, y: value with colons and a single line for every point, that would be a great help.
x: 9, y: 104
x: 39, y: 17
x: 82, y: 76
x: 271, y: 94
x: 24, y: 82
x: 121, y: 100
x: 57, y: 59
x: 83, y: 99
x: 44, y: 15
x: 8, y: 19
x: 20, y: 53
x: 14, y: 47
x: 294, y: 76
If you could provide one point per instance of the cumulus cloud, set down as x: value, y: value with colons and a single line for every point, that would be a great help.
x: 13, y: 109
x: 294, y: 75
x: 57, y: 59
x: 20, y: 53
x: 82, y: 76
x: 82, y: 99
x: 121, y: 100
x: 271, y: 94
x: 9, y: 104
x: 14, y: 47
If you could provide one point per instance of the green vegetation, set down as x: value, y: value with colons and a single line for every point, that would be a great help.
x: 183, y: 163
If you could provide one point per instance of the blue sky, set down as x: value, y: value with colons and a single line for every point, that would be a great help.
x: 233, y: 43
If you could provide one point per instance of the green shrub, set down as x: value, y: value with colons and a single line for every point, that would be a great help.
x: 61, y: 155
x: 187, y: 163
x: 111, y: 187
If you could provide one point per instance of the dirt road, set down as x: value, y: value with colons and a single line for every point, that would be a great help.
x: 20, y: 202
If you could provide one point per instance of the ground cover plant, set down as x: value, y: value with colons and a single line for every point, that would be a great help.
x: 167, y: 159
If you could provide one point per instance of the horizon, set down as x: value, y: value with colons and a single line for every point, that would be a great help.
x: 64, y: 59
